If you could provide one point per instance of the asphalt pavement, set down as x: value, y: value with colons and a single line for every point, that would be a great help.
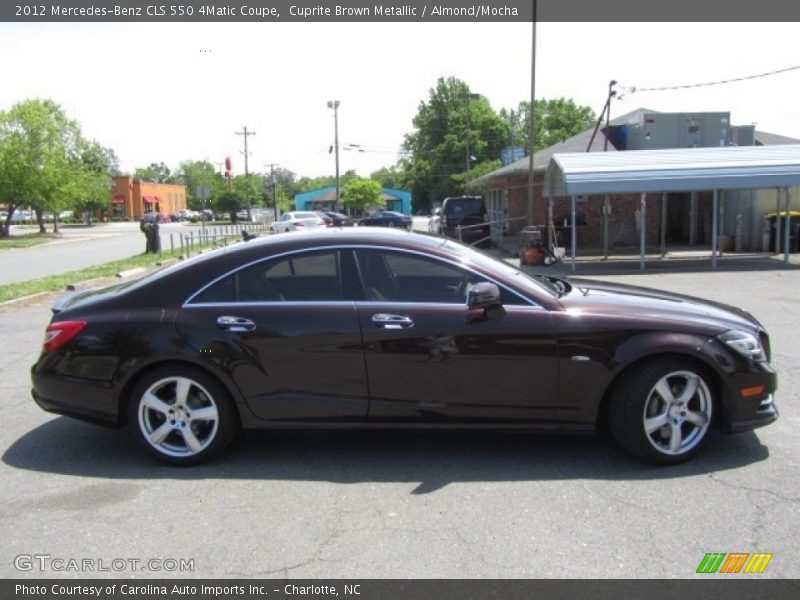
x: 402, y: 504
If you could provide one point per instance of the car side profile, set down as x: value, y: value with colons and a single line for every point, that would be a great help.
x: 297, y: 220
x: 399, y: 329
x: 387, y: 218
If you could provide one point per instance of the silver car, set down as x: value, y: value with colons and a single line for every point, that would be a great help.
x: 297, y: 220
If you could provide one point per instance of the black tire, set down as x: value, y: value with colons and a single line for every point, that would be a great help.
x: 181, y: 415
x: 662, y: 411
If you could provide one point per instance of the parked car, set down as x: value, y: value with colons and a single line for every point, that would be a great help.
x: 386, y: 218
x: 325, y: 218
x: 339, y: 219
x: 292, y: 221
x: 465, y: 216
x: 188, y: 356
x: 155, y: 217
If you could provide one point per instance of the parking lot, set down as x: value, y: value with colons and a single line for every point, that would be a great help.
x: 403, y: 504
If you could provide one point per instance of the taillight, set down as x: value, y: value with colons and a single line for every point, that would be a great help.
x: 60, y: 333
x: 299, y: 224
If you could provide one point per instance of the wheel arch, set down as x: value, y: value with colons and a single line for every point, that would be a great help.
x: 134, y: 378
x: 714, y: 380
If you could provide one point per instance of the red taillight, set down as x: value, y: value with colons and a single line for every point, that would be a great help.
x: 60, y: 333
x: 299, y: 224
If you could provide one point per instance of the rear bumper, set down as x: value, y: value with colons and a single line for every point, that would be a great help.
x: 88, y: 400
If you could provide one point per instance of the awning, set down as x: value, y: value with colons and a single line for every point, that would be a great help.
x: 150, y: 199
x: 119, y: 199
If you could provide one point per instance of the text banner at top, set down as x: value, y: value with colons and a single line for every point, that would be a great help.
x: 256, y: 11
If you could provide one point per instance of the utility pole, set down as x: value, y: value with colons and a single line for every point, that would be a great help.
x: 246, y: 133
x: 274, y: 180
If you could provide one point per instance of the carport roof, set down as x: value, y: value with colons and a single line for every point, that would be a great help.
x: 673, y: 170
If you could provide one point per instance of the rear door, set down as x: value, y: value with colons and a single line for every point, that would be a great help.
x: 283, y: 332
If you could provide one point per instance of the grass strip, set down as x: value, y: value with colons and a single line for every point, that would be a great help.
x: 55, y: 283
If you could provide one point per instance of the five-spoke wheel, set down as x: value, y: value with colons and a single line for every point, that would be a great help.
x: 181, y: 415
x: 662, y: 411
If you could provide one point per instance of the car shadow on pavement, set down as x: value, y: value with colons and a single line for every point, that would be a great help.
x: 433, y: 459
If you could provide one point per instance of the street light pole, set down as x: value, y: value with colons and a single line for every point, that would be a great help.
x: 334, y: 104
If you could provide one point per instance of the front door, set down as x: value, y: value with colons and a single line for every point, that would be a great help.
x: 426, y: 360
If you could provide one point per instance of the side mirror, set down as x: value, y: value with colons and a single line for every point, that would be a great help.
x: 483, y: 302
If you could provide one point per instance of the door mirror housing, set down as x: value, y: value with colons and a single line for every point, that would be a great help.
x: 483, y: 302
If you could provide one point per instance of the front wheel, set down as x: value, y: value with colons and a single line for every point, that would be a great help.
x: 662, y: 412
x: 181, y: 415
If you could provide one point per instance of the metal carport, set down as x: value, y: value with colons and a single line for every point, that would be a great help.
x: 673, y: 170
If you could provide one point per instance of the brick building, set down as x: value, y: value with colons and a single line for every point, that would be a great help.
x: 686, y: 216
x: 132, y: 198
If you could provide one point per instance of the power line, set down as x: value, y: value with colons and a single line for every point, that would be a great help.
x: 634, y: 89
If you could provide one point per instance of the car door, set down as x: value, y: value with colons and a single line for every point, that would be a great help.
x: 285, y: 336
x: 428, y: 359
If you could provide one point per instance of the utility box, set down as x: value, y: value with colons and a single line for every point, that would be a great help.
x: 679, y: 130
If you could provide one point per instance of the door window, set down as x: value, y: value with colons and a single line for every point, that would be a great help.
x: 307, y: 277
x: 391, y: 276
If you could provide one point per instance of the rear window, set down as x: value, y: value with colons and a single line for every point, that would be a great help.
x: 464, y: 207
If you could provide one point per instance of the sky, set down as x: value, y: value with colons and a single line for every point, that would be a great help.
x: 171, y: 92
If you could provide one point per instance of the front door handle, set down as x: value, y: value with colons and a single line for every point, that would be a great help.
x: 387, y: 321
x: 235, y: 324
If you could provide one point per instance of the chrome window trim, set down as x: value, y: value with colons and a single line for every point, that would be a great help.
x: 188, y: 302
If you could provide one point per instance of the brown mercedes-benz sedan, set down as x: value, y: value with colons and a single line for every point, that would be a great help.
x: 370, y: 327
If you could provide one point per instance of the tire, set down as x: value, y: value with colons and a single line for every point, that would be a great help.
x: 181, y: 415
x: 662, y: 412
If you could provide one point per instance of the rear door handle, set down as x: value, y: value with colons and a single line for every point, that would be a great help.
x: 236, y: 324
x: 387, y: 321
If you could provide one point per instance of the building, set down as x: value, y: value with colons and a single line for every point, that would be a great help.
x: 132, y: 198
x: 614, y: 220
x: 325, y: 199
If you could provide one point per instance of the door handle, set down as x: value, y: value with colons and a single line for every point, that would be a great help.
x: 236, y: 324
x: 387, y: 321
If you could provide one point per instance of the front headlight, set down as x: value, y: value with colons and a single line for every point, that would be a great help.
x: 744, y: 343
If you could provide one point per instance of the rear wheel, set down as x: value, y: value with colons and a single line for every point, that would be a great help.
x: 181, y: 415
x: 662, y: 412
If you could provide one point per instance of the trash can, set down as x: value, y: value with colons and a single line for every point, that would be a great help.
x: 794, y: 231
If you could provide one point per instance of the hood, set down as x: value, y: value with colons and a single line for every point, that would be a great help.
x: 595, y: 297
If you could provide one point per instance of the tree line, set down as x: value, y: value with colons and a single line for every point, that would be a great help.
x: 47, y: 164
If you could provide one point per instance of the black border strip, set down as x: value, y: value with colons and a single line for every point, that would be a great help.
x: 91, y: 11
x: 743, y: 587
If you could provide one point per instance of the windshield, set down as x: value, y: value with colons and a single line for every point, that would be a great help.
x: 536, y: 283
x: 464, y: 207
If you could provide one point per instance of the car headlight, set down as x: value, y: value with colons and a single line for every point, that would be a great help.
x: 744, y: 343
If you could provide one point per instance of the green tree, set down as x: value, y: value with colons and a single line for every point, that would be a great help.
x: 392, y: 177
x: 359, y: 194
x: 454, y: 131
x: 194, y: 173
x: 155, y: 172
x: 87, y: 187
x: 556, y: 120
x: 39, y: 155
x: 280, y: 187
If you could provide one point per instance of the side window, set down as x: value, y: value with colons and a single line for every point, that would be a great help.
x: 301, y: 277
x: 403, y: 277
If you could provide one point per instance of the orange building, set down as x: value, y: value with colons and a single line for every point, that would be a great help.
x: 133, y: 199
